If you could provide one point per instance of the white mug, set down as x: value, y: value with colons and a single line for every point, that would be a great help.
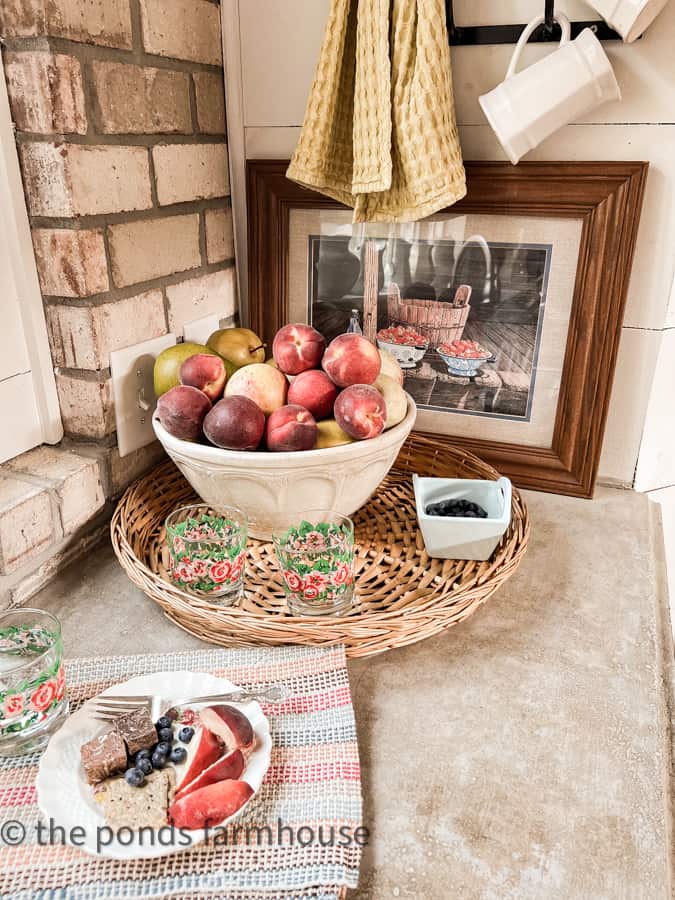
x: 629, y: 17
x: 528, y: 106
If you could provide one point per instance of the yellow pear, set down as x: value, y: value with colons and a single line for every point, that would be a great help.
x: 329, y: 434
x: 240, y: 346
x: 169, y: 361
x: 390, y: 366
x: 395, y: 399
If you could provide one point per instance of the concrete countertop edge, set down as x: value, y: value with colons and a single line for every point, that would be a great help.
x: 666, y: 649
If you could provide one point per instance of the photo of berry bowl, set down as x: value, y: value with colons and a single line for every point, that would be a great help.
x: 406, y: 344
x: 463, y: 357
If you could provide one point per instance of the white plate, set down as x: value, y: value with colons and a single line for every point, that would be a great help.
x: 65, y: 797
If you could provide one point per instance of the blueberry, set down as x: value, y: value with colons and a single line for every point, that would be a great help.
x: 145, y: 765
x: 163, y: 722
x: 135, y: 777
x: 142, y: 754
x: 186, y: 734
x: 165, y: 734
x: 158, y: 760
x: 178, y: 755
x: 164, y: 747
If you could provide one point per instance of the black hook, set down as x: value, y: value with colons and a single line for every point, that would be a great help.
x: 549, y: 15
x: 450, y: 20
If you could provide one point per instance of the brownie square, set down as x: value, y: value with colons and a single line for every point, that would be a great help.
x: 137, y: 730
x: 103, y: 756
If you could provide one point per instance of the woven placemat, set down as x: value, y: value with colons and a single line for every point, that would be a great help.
x: 313, y: 780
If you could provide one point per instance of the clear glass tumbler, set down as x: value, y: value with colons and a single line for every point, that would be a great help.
x: 33, y: 699
x: 207, y: 551
x: 317, y: 563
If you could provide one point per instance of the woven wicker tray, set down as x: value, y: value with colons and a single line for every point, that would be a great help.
x: 403, y: 595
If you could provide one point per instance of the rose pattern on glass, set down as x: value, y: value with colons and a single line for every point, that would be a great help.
x: 207, y: 553
x: 317, y: 562
x: 32, y: 701
x: 43, y: 697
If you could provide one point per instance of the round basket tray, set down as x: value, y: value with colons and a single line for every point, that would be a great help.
x: 402, y: 594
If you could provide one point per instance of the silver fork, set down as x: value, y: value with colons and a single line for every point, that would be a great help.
x: 107, y: 707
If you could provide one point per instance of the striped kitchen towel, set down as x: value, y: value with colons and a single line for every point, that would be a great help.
x: 313, y: 783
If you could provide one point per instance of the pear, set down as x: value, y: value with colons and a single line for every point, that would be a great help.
x: 329, y: 434
x: 169, y: 361
x: 239, y: 346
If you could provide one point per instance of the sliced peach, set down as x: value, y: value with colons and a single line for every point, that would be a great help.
x: 208, y: 749
x: 210, y: 805
x: 231, y: 726
x: 227, y: 767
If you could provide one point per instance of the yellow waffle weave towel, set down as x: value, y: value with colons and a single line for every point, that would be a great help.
x: 379, y: 131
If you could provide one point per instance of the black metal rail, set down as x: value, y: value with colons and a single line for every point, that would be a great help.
x: 463, y: 36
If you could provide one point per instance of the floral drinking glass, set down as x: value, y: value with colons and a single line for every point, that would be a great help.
x: 317, y: 563
x: 33, y: 700
x: 207, y: 551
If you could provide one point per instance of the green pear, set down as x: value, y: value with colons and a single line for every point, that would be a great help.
x: 239, y: 346
x: 169, y: 361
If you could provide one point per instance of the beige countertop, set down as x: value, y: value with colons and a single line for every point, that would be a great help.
x: 523, y: 755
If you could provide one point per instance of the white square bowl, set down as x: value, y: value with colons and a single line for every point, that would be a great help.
x: 463, y: 537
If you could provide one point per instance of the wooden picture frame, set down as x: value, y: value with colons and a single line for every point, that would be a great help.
x: 605, y: 196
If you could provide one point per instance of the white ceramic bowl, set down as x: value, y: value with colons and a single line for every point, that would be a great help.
x: 407, y: 355
x: 273, y: 488
x: 462, y: 365
x: 462, y: 537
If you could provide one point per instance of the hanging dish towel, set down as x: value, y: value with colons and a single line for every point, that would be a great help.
x: 379, y: 131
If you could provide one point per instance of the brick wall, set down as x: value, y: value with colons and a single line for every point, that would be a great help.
x: 120, y: 125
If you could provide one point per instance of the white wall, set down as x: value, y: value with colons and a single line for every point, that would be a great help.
x: 278, y: 48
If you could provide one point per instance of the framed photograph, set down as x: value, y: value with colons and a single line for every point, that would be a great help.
x: 504, y: 311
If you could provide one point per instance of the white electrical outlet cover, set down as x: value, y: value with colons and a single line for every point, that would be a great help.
x: 133, y: 391
x: 201, y: 330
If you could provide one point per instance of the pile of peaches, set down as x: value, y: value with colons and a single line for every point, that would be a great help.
x: 308, y: 396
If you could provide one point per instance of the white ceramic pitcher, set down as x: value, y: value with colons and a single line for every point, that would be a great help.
x: 528, y: 106
x: 629, y: 17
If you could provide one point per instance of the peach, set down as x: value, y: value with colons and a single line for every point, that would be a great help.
x: 351, y: 359
x: 182, y: 411
x: 261, y: 383
x: 360, y: 411
x: 231, y: 726
x: 297, y: 348
x: 395, y: 399
x: 208, y: 748
x: 210, y: 805
x: 235, y: 423
x: 207, y: 373
x: 390, y: 366
x: 290, y: 428
x: 231, y: 765
x: 315, y: 391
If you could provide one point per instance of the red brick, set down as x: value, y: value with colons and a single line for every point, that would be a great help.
x: 105, y: 22
x: 73, y: 179
x: 45, y: 92
x: 86, y: 406
x: 82, y: 337
x: 141, y: 100
x: 200, y: 297
x: 184, y: 29
x: 140, y: 251
x: 210, y: 95
x: 190, y: 172
x: 70, y: 263
x: 219, y: 235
